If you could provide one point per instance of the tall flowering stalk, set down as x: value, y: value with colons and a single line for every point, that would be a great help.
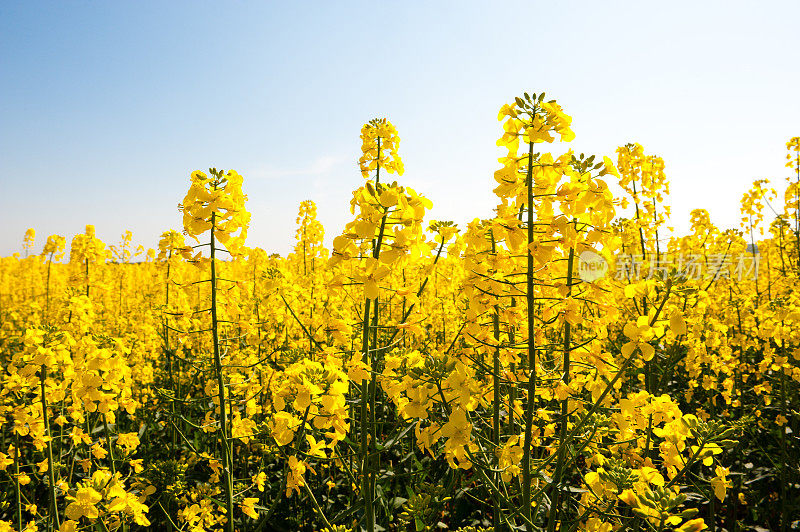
x: 531, y: 120
x: 648, y: 170
x: 792, y: 199
x: 29, y: 240
x: 387, y: 230
x: 171, y: 247
x: 792, y: 194
x: 752, y: 209
x: 85, y: 249
x: 309, y: 235
x: 215, y: 203
x: 53, y: 250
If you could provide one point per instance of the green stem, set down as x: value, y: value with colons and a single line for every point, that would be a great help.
x: 531, y: 388
x: 317, y: 506
x: 170, y: 358
x: 797, y: 220
x: 512, y: 392
x: 47, y: 290
x: 110, y: 448
x: 420, y: 290
x: 784, y: 508
x: 562, y: 448
x: 496, y: 410
x: 367, y: 474
x: 16, y: 483
x: 224, y: 443
x: 50, y: 465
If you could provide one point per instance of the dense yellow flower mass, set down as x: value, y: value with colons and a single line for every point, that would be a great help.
x: 379, y: 145
x: 563, y: 365
x: 216, y: 203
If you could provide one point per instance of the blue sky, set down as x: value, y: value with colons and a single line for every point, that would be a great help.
x: 106, y: 107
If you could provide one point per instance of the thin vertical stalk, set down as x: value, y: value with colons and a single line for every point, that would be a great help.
x: 170, y: 361
x: 530, y: 407
x: 121, y: 267
x: 367, y: 474
x: 110, y: 448
x: 366, y: 492
x: 225, y: 444
x: 50, y: 468
x: 496, y: 519
x: 305, y: 271
x: 655, y: 224
x: 512, y: 392
x: 648, y: 372
x: 784, y: 458
x: 16, y: 483
x: 86, y: 261
x: 797, y: 213
x: 496, y: 411
x: 373, y: 455
x: 562, y: 448
x: 47, y: 290
x: 642, y: 247
x: 638, y: 221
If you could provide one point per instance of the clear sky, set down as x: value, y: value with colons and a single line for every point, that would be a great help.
x: 106, y: 107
